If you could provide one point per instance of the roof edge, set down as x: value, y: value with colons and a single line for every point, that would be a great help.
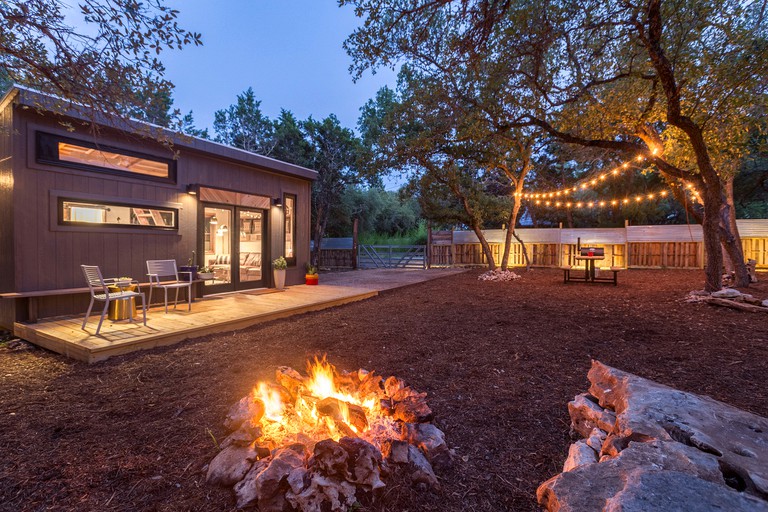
x: 36, y: 99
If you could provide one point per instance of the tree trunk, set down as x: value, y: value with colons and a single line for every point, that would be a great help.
x: 713, y: 268
x: 511, y: 221
x: 484, y: 244
x: 731, y: 239
x: 525, y: 251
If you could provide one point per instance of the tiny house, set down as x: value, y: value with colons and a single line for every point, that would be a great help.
x: 118, y: 197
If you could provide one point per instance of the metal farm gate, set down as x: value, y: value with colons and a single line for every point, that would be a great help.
x: 392, y: 256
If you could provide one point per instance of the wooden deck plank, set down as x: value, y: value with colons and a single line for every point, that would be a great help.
x: 208, y: 316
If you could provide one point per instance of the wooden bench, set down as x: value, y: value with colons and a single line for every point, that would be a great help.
x: 614, y: 279
x: 33, y: 296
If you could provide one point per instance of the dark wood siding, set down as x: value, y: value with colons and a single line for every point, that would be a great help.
x: 7, y: 307
x: 48, y: 256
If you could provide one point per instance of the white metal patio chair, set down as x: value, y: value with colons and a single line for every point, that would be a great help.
x: 157, y: 269
x: 99, y: 288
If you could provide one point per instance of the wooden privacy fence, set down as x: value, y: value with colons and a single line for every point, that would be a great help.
x: 676, y: 246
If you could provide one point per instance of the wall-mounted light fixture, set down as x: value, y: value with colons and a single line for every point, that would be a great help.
x: 192, y: 190
x: 278, y: 201
x: 213, y: 221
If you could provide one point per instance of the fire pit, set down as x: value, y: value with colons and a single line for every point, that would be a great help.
x: 326, y: 440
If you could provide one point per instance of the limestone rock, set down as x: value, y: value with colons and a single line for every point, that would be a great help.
x: 727, y: 293
x: 678, y: 492
x: 366, y: 462
x: 657, y: 471
x: 647, y: 410
x: 422, y: 470
x: 245, y: 489
x: 596, y: 439
x: 395, y: 451
x: 579, y: 454
x: 248, y: 408
x: 330, y: 459
x: 230, y: 465
x: 586, y: 414
x: 430, y: 440
x: 271, y: 483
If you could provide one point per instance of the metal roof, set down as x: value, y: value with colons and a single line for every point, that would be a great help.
x: 36, y: 99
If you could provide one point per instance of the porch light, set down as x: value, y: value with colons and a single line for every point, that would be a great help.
x: 278, y: 201
x: 192, y: 190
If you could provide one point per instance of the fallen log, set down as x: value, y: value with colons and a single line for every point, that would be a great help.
x: 743, y: 306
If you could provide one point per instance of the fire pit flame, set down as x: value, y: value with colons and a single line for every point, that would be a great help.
x: 318, y: 408
x: 325, y: 439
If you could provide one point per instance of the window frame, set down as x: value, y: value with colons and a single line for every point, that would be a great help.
x: 292, y: 260
x: 47, y: 152
x: 100, y: 226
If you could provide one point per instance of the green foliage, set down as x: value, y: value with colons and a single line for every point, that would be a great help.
x: 379, y: 211
x: 243, y: 126
x: 188, y: 127
x: 279, y: 263
x: 106, y: 62
x: 289, y: 140
x: 416, y: 236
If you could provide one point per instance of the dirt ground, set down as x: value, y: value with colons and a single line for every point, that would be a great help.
x: 499, y: 361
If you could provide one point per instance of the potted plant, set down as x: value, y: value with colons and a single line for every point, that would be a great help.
x: 311, y: 277
x: 190, y: 267
x: 205, y: 273
x: 278, y: 266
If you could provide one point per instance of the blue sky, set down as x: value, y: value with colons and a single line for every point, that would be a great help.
x: 289, y: 51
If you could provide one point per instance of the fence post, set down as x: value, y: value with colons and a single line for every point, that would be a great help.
x: 626, y: 243
x: 354, y: 243
x: 428, y: 251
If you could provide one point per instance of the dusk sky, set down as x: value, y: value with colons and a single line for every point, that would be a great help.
x: 289, y: 51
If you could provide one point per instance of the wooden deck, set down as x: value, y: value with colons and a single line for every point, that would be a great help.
x: 208, y: 316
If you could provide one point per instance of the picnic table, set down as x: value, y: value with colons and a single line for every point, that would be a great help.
x: 589, y: 255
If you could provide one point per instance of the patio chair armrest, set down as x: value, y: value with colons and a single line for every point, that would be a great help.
x: 186, y: 272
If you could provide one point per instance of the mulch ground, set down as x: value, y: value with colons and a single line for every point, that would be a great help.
x: 499, y: 361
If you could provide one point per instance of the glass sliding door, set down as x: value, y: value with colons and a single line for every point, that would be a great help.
x: 251, y: 248
x: 218, y: 247
x: 233, y: 247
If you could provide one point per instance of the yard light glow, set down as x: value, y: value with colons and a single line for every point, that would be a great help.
x: 640, y: 158
x: 593, y: 182
x: 591, y: 204
x: 614, y: 202
x: 625, y: 201
x: 579, y: 205
x: 568, y: 205
x: 546, y: 203
x: 602, y: 203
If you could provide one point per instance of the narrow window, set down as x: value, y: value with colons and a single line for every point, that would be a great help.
x: 289, y: 207
x: 66, y: 152
x: 84, y: 213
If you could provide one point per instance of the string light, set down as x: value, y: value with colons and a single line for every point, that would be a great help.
x: 639, y: 198
x: 583, y: 185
